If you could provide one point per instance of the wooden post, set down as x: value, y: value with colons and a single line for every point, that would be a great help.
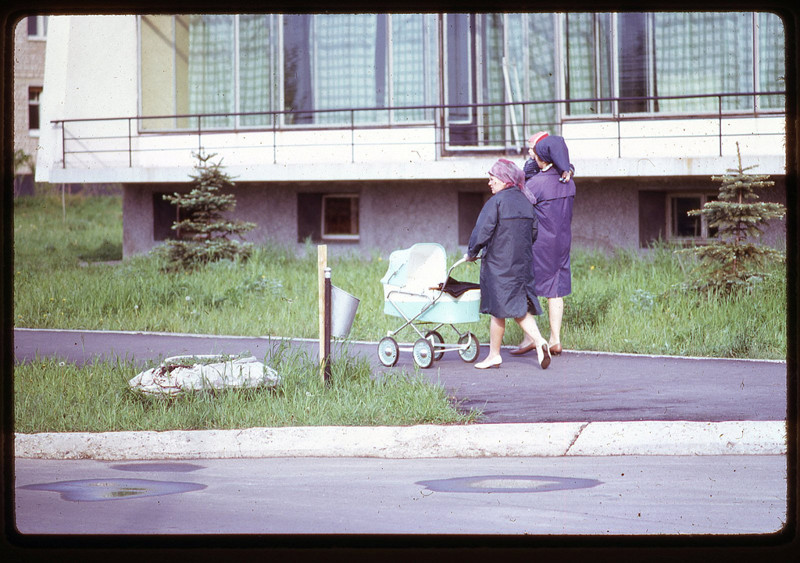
x: 322, y: 264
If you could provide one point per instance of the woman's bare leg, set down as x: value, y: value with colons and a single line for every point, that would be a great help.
x: 555, y: 312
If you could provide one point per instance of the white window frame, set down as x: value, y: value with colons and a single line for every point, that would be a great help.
x: 355, y: 202
x: 34, y: 132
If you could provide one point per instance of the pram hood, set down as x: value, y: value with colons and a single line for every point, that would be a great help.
x: 416, y: 269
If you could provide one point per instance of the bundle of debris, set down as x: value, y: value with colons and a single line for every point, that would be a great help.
x: 180, y: 374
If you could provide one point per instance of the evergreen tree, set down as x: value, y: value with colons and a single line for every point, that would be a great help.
x: 203, y: 234
x: 734, y: 260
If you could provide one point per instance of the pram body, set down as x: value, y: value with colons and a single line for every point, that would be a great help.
x: 418, y: 288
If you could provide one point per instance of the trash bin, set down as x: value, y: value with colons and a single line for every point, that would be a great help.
x: 343, y: 312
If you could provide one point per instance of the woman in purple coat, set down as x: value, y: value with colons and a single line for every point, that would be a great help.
x: 552, y: 199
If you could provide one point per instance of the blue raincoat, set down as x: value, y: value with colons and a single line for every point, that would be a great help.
x: 505, y: 231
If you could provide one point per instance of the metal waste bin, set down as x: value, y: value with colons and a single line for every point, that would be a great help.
x: 343, y: 312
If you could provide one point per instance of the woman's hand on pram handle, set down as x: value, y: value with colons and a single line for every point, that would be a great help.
x: 467, y: 258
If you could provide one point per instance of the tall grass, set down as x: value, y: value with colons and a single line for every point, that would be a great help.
x: 624, y: 302
x: 56, y: 396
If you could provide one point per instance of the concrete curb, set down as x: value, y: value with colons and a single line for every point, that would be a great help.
x: 415, y: 442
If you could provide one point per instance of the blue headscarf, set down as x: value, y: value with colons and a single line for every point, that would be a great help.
x: 553, y: 149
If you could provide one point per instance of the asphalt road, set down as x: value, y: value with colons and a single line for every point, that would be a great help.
x: 520, y: 501
x: 605, y: 496
x: 577, y: 387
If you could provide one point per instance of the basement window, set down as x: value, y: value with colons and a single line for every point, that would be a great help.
x: 340, y: 217
x: 685, y: 227
x: 328, y: 217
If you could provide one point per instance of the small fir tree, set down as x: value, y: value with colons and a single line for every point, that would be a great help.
x: 203, y: 233
x: 733, y: 260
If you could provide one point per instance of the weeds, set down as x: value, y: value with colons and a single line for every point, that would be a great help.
x: 623, y: 302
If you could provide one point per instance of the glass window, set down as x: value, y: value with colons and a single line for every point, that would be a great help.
x: 257, y: 70
x: 37, y: 27
x: 588, y: 62
x: 348, y: 65
x: 634, y: 67
x: 413, y: 55
x: 34, y: 92
x: 771, y: 59
x: 340, y: 216
x: 682, y: 225
x: 703, y: 53
x: 211, y: 64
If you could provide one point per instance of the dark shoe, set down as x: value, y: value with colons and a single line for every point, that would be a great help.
x: 544, y: 356
x: 555, y: 350
x: 520, y: 351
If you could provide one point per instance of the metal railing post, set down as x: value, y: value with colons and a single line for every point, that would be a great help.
x: 130, y: 146
x: 719, y: 109
x: 63, y: 146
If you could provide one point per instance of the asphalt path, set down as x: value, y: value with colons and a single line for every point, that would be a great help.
x: 577, y: 387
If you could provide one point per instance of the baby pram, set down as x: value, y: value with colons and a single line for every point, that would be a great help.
x: 418, y: 288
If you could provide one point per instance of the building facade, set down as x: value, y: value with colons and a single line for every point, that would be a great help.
x: 375, y: 131
x: 30, y: 39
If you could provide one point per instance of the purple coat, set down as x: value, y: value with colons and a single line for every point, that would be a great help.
x: 552, y: 201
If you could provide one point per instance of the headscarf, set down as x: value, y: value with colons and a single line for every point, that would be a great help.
x: 508, y: 172
x: 536, y: 137
x: 553, y: 149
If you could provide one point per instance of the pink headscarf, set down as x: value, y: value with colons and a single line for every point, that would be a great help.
x: 508, y: 172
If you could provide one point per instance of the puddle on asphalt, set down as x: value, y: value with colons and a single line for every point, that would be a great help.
x: 507, y: 484
x: 89, y: 490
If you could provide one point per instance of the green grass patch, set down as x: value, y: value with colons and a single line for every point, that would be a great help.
x: 623, y: 302
x: 53, y: 395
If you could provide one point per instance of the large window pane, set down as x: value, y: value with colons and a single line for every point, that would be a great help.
x: 634, y: 74
x: 257, y: 72
x: 347, y: 53
x: 588, y: 63
x: 211, y: 68
x: 413, y: 63
x: 703, y: 53
x: 539, y: 59
x: 771, y: 59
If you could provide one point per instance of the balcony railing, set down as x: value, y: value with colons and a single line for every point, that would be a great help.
x: 386, y: 134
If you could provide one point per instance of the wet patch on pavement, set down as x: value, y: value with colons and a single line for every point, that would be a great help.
x: 89, y: 490
x: 507, y: 484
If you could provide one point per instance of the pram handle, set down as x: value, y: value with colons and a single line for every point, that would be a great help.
x: 459, y: 262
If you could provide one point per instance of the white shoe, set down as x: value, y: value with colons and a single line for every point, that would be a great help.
x: 487, y: 363
x: 544, y: 355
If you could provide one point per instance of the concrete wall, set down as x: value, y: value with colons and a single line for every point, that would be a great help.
x: 398, y: 214
x: 392, y: 214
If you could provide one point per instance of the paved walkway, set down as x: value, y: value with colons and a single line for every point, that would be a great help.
x: 586, y: 403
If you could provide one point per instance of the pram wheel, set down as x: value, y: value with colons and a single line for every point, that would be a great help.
x: 435, y: 339
x: 423, y: 353
x: 388, y: 351
x: 469, y: 347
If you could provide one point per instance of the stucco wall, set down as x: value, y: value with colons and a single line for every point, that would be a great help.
x: 392, y: 214
x: 398, y: 214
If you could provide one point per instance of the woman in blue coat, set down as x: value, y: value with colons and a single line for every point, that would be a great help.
x: 552, y: 200
x: 505, y: 231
